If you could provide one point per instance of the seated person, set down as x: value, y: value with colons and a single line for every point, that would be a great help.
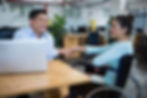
x: 121, y: 28
x: 38, y: 30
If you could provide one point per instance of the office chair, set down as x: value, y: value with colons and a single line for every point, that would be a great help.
x: 82, y: 29
x: 97, y: 93
x: 123, y: 70
x: 7, y: 32
x: 93, y: 39
x: 107, y: 92
x: 121, y: 78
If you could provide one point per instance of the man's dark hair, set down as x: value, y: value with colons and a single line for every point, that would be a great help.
x: 34, y: 13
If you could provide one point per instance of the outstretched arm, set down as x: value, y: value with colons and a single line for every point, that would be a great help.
x: 112, y: 54
x: 90, y: 49
x: 96, y: 49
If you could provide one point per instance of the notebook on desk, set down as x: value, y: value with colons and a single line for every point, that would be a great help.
x: 23, y: 56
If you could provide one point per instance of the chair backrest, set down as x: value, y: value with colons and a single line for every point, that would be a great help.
x: 93, y: 39
x: 123, y: 70
x: 7, y: 32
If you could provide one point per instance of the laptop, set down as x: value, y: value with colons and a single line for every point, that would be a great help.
x: 23, y: 56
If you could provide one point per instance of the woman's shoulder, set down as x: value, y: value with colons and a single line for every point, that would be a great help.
x: 124, y: 47
x: 123, y: 44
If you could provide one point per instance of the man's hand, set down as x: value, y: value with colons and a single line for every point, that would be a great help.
x: 67, y: 52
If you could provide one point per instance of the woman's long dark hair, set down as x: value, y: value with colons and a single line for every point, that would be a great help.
x: 125, y: 21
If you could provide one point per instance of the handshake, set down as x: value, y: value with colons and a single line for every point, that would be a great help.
x: 68, y: 52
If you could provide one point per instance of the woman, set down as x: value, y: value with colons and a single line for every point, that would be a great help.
x: 121, y: 28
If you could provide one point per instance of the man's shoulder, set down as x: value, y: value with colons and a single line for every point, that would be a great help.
x: 22, y: 32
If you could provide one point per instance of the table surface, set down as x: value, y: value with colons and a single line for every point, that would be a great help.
x: 58, y: 74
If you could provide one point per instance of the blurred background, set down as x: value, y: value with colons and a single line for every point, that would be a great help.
x: 71, y: 22
x: 74, y: 15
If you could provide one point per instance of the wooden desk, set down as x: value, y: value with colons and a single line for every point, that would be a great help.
x: 58, y: 75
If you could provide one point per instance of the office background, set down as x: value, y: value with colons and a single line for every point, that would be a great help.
x: 75, y: 17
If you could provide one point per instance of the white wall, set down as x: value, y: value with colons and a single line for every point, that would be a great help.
x: 16, y: 15
x: 100, y: 13
x: 54, y: 10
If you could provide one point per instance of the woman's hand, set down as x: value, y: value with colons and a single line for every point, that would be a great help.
x: 68, y: 52
x: 78, y: 49
x: 64, y: 52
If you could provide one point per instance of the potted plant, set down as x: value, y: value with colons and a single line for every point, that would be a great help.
x: 57, y: 29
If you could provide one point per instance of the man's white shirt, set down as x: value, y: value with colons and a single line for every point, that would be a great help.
x: 27, y: 33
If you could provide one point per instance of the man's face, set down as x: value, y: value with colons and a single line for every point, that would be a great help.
x: 39, y: 23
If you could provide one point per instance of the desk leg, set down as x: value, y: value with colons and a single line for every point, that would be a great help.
x: 52, y: 94
x: 62, y: 92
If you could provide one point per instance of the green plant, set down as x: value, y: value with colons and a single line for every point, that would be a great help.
x: 58, y: 29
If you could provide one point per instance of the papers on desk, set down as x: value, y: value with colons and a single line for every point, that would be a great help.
x: 97, y: 79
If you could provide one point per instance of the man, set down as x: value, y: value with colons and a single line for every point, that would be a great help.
x: 37, y: 29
